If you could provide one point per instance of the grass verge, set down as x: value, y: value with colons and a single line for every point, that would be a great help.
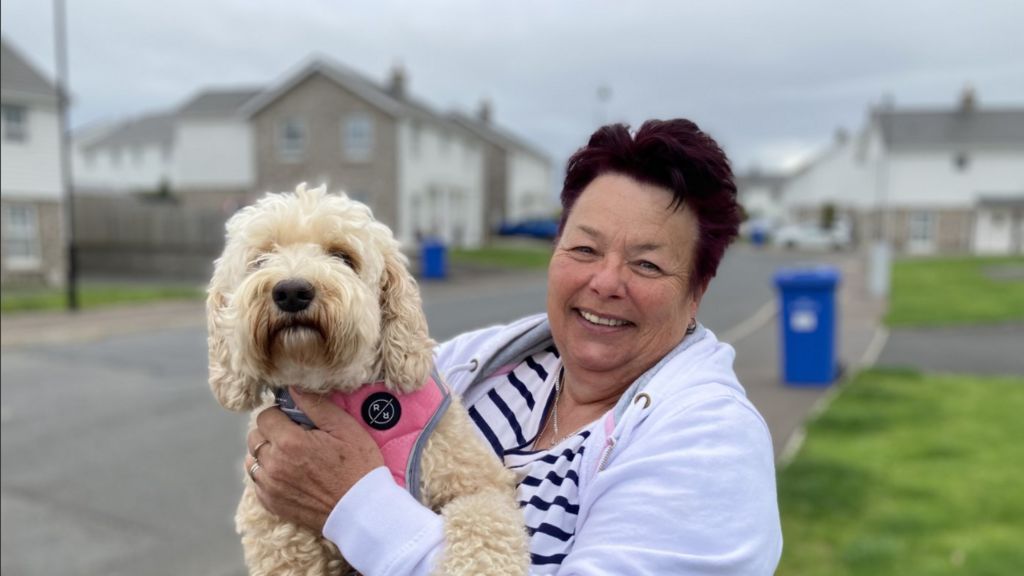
x: 95, y: 295
x: 529, y: 257
x: 909, y: 474
x: 951, y: 291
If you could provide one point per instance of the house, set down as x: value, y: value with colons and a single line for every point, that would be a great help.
x: 421, y: 173
x: 425, y: 174
x: 927, y: 180
x: 214, y: 158
x: 760, y: 194
x: 31, y: 188
x: 135, y: 155
x: 518, y: 175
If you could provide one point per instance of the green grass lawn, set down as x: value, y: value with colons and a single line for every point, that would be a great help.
x: 951, y: 291
x: 525, y: 256
x: 909, y: 474
x: 94, y: 295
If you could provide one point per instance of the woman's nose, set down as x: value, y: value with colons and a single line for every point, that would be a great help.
x: 609, y: 279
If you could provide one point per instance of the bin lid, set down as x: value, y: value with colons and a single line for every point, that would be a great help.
x: 821, y: 276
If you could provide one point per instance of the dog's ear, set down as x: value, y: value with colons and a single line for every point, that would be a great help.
x: 232, y: 390
x: 406, y: 350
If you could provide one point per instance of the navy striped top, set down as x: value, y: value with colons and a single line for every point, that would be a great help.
x: 509, y: 417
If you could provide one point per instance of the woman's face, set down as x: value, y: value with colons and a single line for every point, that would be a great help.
x: 618, y: 282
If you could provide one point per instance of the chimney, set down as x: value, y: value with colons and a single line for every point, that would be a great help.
x: 396, y: 87
x: 841, y: 135
x: 484, y: 112
x: 968, y: 99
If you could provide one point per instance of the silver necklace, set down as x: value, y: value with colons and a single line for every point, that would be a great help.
x: 556, y: 437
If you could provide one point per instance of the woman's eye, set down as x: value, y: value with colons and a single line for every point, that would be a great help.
x: 587, y: 250
x: 648, y: 266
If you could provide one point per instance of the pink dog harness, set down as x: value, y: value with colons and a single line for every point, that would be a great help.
x: 399, y: 423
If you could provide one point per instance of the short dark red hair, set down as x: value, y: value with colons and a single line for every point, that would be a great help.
x: 671, y: 154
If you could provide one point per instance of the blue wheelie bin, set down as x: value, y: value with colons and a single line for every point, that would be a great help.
x: 434, y: 258
x: 808, y: 325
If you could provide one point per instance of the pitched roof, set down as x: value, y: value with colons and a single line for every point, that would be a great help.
x: 758, y: 178
x: 960, y: 129
x: 496, y: 135
x: 358, y: 84
x: 218, y: 102
x: 145, y: 130
x: 18, y: 77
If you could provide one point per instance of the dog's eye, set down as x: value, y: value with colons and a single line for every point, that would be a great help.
x: 258, y: 262
x: 344, y: 257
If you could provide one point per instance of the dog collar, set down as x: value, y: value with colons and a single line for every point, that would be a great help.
x: 399, y: 423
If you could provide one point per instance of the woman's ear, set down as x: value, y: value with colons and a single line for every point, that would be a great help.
x: 232, y: 390
x: 406, y: 350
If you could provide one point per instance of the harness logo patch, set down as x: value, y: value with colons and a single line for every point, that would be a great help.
x: 381, y: 411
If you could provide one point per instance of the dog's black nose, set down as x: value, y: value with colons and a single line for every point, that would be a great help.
x: 293, y: 295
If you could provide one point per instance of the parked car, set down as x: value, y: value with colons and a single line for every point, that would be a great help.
x: 811, y: 236
x: 539, y: 228
x: 758, y: 231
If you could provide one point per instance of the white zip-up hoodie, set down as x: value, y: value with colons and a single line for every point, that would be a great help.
x: 680, y: 479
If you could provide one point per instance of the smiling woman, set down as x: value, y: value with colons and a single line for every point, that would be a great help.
x: 634, y: 446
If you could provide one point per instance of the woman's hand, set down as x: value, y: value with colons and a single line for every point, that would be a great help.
x: 302, y: 474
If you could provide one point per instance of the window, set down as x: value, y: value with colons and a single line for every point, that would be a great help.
x: 21, y: 241
x: 15, y: 121
x: 922, y: 225
x: 357, y: 137
x: 291, y: 139
x: 115, y: 157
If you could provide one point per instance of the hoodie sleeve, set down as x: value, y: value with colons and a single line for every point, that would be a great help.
x: 382, y: 530
x: 691, y: 493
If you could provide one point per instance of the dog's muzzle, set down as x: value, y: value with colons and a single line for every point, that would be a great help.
x: 293, y: 295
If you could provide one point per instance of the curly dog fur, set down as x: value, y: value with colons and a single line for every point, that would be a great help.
x: 364, y: 324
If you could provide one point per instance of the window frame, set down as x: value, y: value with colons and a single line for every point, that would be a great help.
x: 921, y: 221
x: 16, y: 132
x: 25, y: 231
x: 358, y: 137
x: 284, y: 146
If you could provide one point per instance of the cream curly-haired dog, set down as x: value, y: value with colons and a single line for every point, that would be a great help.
x: 360, y: 320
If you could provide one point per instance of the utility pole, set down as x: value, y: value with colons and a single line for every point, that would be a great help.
x: 63, y: 99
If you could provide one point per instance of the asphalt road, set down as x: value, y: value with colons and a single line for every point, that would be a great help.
x: 117, y: 460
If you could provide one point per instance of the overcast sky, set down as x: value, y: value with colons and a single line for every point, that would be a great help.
x: 771, y: 80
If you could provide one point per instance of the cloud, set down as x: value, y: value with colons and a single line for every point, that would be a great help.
x: 750, y: 72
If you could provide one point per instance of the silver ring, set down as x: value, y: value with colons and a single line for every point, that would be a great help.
x: 252, y: 470
x: 256, y: 450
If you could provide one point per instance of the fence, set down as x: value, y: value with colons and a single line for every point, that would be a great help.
x: 138, y: 238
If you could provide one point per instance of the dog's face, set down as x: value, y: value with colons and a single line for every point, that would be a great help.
x: 312, y: 292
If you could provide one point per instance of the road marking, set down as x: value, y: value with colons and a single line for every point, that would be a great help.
x: 875, y: 347
x: 793, y: 445
x: 763, y: 315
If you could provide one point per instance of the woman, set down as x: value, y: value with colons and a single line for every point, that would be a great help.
x: 636, y: 448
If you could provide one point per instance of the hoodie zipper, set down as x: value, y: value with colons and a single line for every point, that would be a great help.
x: 606, y: 453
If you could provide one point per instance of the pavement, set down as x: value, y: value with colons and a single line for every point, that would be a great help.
x: 862, y: 341
x: 860, y: 338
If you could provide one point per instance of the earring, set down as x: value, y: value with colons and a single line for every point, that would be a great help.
x: 692, y: 326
